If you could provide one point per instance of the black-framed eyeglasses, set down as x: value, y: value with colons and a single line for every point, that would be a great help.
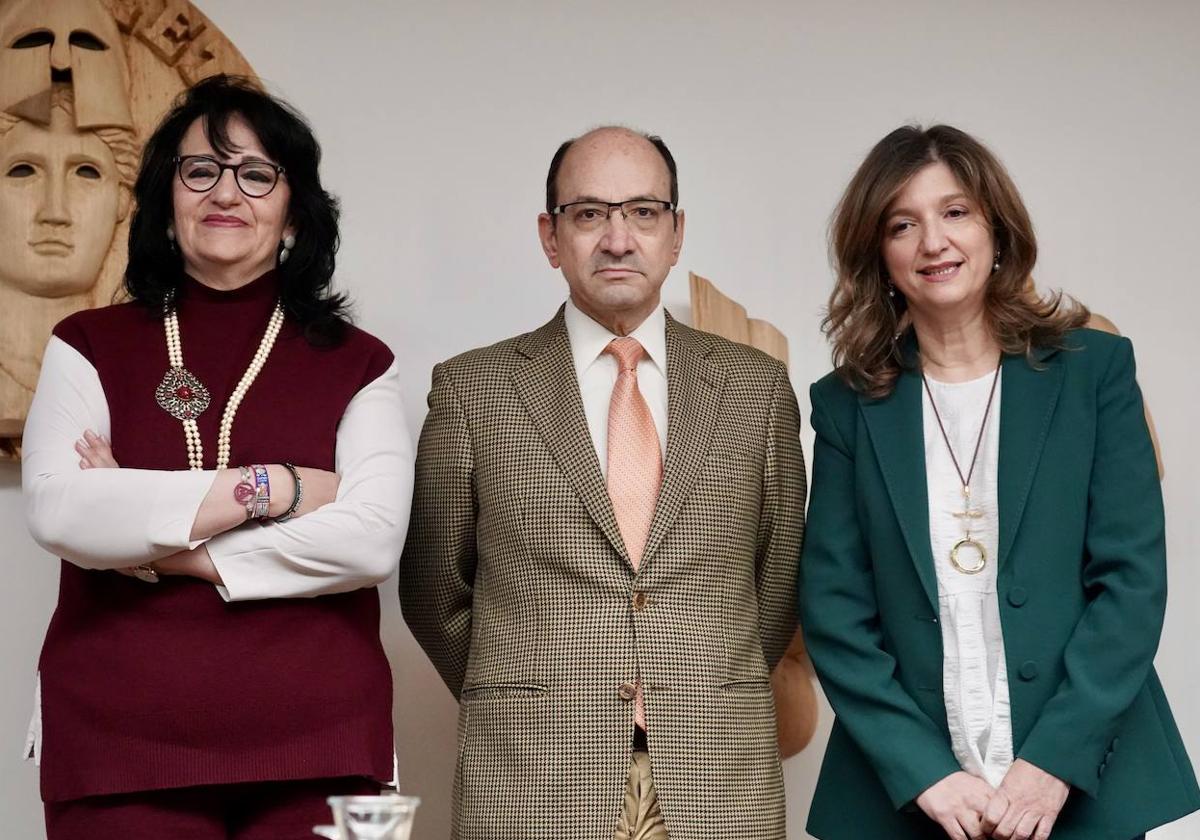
x: 255, y: 178
x: 643, y: 214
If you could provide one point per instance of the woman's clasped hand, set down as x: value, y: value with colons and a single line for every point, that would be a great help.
x: 1024, y: 807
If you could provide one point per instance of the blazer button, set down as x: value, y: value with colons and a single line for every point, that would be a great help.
x: 627, y: 691
x: 639, y: 601
x: 1029, y: 670
x: 1017, y: 596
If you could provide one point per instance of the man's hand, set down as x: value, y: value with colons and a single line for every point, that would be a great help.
x: 1026, y: 804
x: 957, y: 803
x: 795, y: 698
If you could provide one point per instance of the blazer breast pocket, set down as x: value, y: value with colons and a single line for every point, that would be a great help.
x: 728, y: 493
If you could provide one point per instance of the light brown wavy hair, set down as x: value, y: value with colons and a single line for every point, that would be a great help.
x: 864, y: 324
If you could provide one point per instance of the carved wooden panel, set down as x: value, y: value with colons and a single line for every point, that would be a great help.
x: 83, y: 83
x: 793, y: 680
x: 714, y: 312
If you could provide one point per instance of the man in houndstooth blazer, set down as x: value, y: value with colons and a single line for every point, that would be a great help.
x: 517, y: 583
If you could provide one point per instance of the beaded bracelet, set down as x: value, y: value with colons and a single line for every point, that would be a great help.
x: 262, y: 491
x: 298, y: 484
x: 244, y: 493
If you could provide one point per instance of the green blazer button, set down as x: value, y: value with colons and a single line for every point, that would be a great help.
x: 1017, y: 596
x: 1029, y: 670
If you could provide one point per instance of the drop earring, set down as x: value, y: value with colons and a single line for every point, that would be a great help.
x: 171, y: 236
x: 288, y: 242
x: 891, y: 291
x: 996, y: 262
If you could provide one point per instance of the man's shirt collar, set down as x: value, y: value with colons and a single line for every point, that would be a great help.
x: 589, y: 338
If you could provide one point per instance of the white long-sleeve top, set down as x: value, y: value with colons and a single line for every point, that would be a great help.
x: 113, y: 518
x: 974, y: 668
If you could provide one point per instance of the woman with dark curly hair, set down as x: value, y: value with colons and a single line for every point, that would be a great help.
x: 984, y: 571
x: 213, y: 668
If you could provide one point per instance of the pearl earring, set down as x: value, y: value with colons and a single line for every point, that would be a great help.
x: 171, y: 236
x: 996, y: 262
x: 289, y: 242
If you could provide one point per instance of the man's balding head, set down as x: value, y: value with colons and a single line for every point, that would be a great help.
x: 609, y: 132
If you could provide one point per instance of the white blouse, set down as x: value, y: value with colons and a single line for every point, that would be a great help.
x: 974, y: 668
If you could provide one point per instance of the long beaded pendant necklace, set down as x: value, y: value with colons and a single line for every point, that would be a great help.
x: 968, y: 513
x: 185, y: 398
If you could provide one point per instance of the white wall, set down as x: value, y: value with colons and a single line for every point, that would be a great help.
x: 438, y: 121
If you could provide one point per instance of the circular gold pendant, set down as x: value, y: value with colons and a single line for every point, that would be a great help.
x: 967, y: 542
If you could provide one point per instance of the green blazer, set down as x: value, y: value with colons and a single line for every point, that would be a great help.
x: 1082, y: 587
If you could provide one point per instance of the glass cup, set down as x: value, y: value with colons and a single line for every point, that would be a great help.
x: 386, y: 817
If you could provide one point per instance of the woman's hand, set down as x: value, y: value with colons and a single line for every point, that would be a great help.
x: 194, y: 563
x: 1026, y: 804
x: 957, y: 803
x: 221, y: 510
x: 95, y: 452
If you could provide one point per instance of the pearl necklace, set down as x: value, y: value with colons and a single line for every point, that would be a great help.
x: 183, y: 396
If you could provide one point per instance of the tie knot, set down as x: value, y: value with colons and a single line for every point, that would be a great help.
x: 627, y: 351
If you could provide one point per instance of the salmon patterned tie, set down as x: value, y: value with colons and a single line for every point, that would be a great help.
x: 634, y: 462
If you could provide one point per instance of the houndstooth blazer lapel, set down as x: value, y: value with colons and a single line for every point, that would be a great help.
x: 548, y: 387
x: 694, y: 388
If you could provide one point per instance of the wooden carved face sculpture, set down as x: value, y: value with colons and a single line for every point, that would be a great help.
x: 68, y: 157
x: 80, y: 81
x: 61, y: 197
x: 58, y: 41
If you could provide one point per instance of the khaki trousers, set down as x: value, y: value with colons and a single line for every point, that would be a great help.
x: 640, y: 819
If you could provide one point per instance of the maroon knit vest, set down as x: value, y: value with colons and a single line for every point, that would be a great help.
x: 150, y: 686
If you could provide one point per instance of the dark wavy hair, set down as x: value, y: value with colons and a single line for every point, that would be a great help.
x: 155, y: 268
x: 865, y: 324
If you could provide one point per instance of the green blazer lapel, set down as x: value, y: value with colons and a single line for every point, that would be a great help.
x: 1027, y: 401
x: 895, y: 426
x: 694, y: 388
x: 547, y: 385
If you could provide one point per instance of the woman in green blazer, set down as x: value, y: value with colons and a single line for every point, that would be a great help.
x: 984, y: 572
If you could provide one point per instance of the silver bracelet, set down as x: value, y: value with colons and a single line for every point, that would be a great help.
x: 298, y: 483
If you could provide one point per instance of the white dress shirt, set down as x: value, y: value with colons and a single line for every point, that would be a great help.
x: 974, y: 667
x: 597, y: 372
